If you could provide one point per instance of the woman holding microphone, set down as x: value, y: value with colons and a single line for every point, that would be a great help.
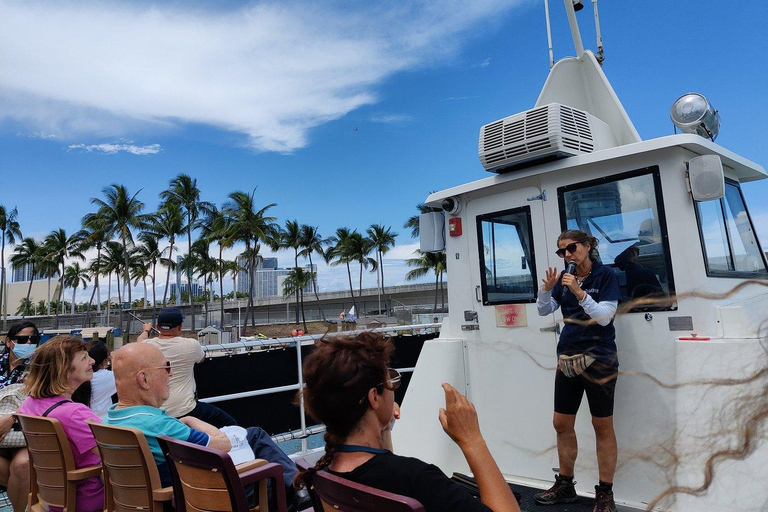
x: 588, y: 294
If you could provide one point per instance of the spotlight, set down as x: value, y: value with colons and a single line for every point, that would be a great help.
x: 577, y: 5
x: 692, y: 113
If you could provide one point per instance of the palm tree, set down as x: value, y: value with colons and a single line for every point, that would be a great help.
x: 183, y: 191
x: 168, y: 222
x: 96, y: 229
x: 424, y: 263
x: 338, y: 253
x: 249, y: 225
x: 115, y: 259
x: 294, y: 283
x: 58, y: 247
x: 140, y: 272
x: 289, y: 238
x: 150, y: 253
x: 74, y: 276
x: 217, y: 227
x: 413, y: 221
x: 312, y: 242
x: 121, y: 212
x: 26, y: 307
x: 28, y: 252
x: 382, y: 240
x: 10, y: 230
x: 358, y: 248
x: 204, y: 265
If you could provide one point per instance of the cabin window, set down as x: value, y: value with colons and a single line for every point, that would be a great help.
x: 507, y: 266
x: 626, y: 215
x: 728, y: 238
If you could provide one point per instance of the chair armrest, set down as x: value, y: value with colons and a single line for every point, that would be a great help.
x: 83, y: 473
x: 269, y: 470
x: 251, y: 464
x: 164, y: 494
x: 303, y: 464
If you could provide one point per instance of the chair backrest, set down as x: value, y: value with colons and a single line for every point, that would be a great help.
x: 130, y: 473
x: 50, y: 458
x: 331, y: 493
x: 204, y: 479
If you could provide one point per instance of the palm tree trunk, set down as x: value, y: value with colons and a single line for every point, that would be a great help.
x: 127, y: 286
x: 72, y: 308
x: 296, y: 265
x: 109, y: 296
x: 303, y: 316
x: 48, y: 308
x: 154, y: 291
x: 189, y: 271
x: 144, y: 305
x: 437, y: 289
x: 29, y: 290
x: 351, y: 290
x: 314, y: 285
x: 96, y: 280
x: 2, y: 281
x: 168, y: 277
x: 442, y: 292
x: 221, y: 284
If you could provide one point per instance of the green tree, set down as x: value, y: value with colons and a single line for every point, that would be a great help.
x: 150, y: 253
x: 312, y: 242
x: 96, y: 234
x: 122, y: 212
x: 338, y: 253
x: 295, y: 283
x: 168, y: 223
x: 74, y: 276
x: 382, y: 239
x: 218, y: 227
x: 59, y: 247
x: 250, y: 225
x: 289, y: 238
x: 427, y: 262
x: 28, y: 252
x: 357, y: 249
x: 26, y: 307
x: 183, y: 191
x: 10, y: 230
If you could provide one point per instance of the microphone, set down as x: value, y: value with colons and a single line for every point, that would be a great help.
x: 570, y: 269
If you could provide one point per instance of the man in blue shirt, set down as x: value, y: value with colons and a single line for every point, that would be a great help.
x: 142, y: 377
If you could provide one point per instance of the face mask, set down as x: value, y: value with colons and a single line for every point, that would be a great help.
x: 24, y: 350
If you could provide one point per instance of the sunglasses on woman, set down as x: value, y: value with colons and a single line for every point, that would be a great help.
x: 570, y: 248
x: 27, y: 339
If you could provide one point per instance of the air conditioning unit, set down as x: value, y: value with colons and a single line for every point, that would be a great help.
x: 541, y: 134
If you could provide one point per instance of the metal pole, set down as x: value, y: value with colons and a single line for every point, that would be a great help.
x: 575, y: 33
x: 549, y: 35
x: 600, y: 56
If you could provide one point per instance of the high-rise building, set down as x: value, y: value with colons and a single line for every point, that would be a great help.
x: 268, y: 278
x: 24, y: 273
x: 197, y: 289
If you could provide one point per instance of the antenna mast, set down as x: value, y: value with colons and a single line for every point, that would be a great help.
x: 600, y: 56
x: 549, y: 35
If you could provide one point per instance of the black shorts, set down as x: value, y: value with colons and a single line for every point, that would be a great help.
x: 570, y: 390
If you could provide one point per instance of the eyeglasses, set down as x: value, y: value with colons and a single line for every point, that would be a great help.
x: 27, y: 339
x: 570, y: 248
x: 167, y: 367
x: 393, y: 382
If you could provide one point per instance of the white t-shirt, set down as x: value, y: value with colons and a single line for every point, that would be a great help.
x: 102, y: 389
x: 183, y: 354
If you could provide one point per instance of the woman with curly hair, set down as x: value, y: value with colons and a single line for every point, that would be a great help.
x: 351, y: 390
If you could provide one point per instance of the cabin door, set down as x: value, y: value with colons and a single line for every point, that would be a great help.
x: 512, y: 359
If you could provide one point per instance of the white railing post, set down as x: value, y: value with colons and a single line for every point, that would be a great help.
x: 301, y: 399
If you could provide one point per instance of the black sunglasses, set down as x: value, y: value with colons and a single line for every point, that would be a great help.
x: 27, y: 339
x: 571, y: 248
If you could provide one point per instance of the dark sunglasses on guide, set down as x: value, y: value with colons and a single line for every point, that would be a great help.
x: 570, y: 248
x: 26, y: 339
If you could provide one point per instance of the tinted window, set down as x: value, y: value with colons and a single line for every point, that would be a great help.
x: 626, y: 217
x: 730, y: 245
x: 506, y: 257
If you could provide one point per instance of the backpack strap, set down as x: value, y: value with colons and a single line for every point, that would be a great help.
x: 51, y: 408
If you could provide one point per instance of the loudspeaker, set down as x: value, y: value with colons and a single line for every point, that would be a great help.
x: 706, y: 175
x: 432, y: 232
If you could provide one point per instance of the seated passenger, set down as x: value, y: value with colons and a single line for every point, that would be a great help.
x: 99, y: 391
x: 20, y: 342
x: 142, y: 376
x: 350, y: 389
x: 57, y: 369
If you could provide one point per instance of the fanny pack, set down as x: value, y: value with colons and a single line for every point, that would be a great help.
x: 573, y: 366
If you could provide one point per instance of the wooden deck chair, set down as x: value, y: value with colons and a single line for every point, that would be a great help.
x: 206, y: 480
x: 53, y: 476
x: 331, y: 493
x: 131, y: 480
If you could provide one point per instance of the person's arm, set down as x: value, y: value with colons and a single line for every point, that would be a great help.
x: 602, y: 312
x: 545, y: 304
x: 6, y: 422
x: 146, y: 330
x: 218, y: 439
x: 459, y: 420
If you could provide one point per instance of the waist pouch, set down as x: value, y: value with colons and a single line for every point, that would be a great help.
x: 573, y: 366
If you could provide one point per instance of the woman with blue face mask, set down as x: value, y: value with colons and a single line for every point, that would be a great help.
x: 20, y: 342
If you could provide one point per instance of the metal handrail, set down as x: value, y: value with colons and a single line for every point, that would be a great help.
x: 295, y: 342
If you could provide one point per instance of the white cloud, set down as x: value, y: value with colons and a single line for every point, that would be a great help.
x: 111, y: 149
x: 485, y: 63
x: 391, y: 118
x: 270, y: 71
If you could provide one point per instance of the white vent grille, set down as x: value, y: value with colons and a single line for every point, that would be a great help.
x: 553, y: 130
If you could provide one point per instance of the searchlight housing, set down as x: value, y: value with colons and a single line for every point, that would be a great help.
x: 692, y: 113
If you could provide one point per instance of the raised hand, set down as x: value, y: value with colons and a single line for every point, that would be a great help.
x: 459, y: 418
x: 551, y: 280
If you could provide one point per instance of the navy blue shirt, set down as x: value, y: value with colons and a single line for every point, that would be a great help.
x: 594, y: 339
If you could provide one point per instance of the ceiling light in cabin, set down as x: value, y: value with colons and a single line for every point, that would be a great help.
x: 692, y: 113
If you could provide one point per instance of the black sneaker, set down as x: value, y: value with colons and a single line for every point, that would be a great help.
x: 604, y: 501
x: 562, y: 492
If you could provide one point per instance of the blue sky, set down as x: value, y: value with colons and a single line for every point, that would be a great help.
x: 343, y: 114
